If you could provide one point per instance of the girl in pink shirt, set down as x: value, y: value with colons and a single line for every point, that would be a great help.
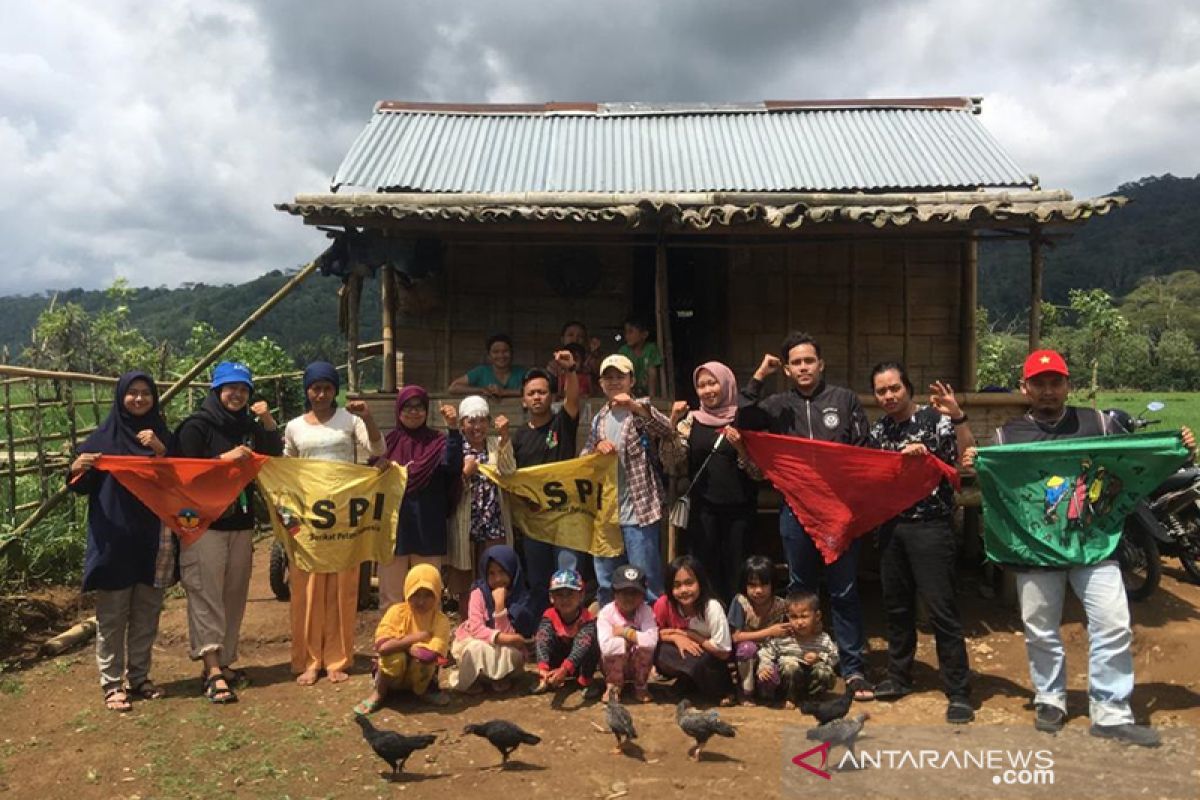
x: 490, y: 645
x: 627, y: 634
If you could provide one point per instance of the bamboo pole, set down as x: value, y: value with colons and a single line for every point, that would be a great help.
x: 38, y: 515
x: 12, y: 451
x: 239, y: 331
x: 43, y: 483
x: 48, y: 374
x: 77, y: 634
x: 387, y: 311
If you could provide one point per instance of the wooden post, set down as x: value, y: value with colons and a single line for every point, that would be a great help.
x: 447, y: 301
x: 1035, y: 286
x: 968, y: 337
x: 95, y: 398
x: 237, y: 332
x: 43, y: 483
x: 387, y: 313
x: 662, y: 314
x: 354, y: 284
x: 12, y: 451
x: 852, y: 326
x: 72, y: 431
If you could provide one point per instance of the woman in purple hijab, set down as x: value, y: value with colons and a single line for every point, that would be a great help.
x: 434, y: 463
x: 722, y: 488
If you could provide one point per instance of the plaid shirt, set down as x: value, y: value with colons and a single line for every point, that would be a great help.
x: 636, y: 461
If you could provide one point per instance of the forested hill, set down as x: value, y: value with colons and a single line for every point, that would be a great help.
x: 302, y: 321
x: 1158, y: 233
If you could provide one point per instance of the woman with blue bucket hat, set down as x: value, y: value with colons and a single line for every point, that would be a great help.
x: 215, y: 569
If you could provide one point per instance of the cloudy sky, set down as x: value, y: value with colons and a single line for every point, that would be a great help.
x: 150, y: 140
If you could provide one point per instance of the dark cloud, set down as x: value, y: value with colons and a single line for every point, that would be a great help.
x: 150, y: 140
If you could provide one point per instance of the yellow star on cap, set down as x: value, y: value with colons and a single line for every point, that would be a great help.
x: 1045, y: 359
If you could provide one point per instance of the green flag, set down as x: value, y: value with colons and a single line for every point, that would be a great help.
x: 1063, y: 503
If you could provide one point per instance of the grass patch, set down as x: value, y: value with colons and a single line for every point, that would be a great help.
x: 1182, y: 408
x: 11, y: 686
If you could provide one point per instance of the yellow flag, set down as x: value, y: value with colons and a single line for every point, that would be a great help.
x: 331, y: 515
x: 568, y: 503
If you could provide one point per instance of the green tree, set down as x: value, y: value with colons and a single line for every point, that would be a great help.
x: 999, y: 353
x: 1100, y: 327
x: 1178, y: 364
x: 1161, y: 303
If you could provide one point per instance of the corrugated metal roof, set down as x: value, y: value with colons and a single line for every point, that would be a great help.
x: 630, y: 148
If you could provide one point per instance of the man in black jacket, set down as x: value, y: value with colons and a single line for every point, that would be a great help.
x: 814, y: 410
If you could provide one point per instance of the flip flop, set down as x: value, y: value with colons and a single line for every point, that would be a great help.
x: 121, y: 705
x: 148, y: 690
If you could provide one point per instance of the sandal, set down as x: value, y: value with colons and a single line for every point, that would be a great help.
x: 215, y: 694
x: 889, y: 689
x: 236, y: 677
x: 367, y: 707
x: 864, y: 692
x: 148, y: 690
x: 115, y: 699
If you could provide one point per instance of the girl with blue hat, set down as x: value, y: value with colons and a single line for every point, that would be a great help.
x: 324, y: 605
x: 215, y: 569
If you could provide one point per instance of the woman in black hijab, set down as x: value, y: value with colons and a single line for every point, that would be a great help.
x: 215, y: 569
x: 130, y: 556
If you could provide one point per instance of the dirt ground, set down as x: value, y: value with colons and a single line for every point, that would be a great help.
x: 285, y: 741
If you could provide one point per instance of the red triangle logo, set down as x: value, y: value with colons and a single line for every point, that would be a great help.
x: 820, y: 772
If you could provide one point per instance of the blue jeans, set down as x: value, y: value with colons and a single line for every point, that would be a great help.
x: 641, y: 550
x: 542, y: 560
x: 804, y: 563
x: 1110, y: 639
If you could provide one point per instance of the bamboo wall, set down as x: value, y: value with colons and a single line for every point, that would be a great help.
x: 852, y: 297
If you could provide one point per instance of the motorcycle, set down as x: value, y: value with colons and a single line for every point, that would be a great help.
x: 1167, y: 523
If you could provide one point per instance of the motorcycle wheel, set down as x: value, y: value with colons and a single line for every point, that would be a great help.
x: 1189, y: 548
x: 279, y: 573
x: 1141, y: 567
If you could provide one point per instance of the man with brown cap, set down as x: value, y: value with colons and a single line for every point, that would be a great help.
x: 1041, y: 591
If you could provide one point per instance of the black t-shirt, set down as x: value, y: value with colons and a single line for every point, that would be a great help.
x: 723, y: 482
x: 1076, y: 423
x: 554, y: 441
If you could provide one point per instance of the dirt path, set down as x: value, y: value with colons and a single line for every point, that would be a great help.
x: 57, y: 740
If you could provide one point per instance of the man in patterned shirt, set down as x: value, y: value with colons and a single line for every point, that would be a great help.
x: 918, y: 547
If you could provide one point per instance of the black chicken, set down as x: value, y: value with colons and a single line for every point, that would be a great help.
x: 620, y: 722
x: 505, y: 736
x: 393, y: 748
x: 701, y: 726
x: 829, y: 710
x: 842, y: 732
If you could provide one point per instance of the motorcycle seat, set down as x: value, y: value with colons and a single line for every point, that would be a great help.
x: 1180, y: 480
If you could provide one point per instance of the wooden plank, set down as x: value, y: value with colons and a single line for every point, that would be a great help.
x: 906, y: 283
x: 852, y: 322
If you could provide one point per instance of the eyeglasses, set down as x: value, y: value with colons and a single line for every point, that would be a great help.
x: 416, y: 408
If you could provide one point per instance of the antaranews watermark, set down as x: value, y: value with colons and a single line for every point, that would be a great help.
x: 984, y: 761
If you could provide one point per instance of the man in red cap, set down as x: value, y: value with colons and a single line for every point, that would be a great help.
x: 1045, y: 384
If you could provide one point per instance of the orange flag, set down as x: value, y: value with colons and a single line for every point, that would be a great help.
x: 840, y: 492
x: 187, y: 494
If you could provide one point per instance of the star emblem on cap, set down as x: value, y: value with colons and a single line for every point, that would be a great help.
x: 1044, y: 359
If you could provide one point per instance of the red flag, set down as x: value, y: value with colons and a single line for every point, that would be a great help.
x: 839, y: 492
x: 187, y: 494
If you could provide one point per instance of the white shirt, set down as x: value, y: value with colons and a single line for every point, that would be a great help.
x: 341, y: 438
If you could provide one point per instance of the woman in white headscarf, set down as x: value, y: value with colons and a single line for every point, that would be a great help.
x: 481, y: 518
